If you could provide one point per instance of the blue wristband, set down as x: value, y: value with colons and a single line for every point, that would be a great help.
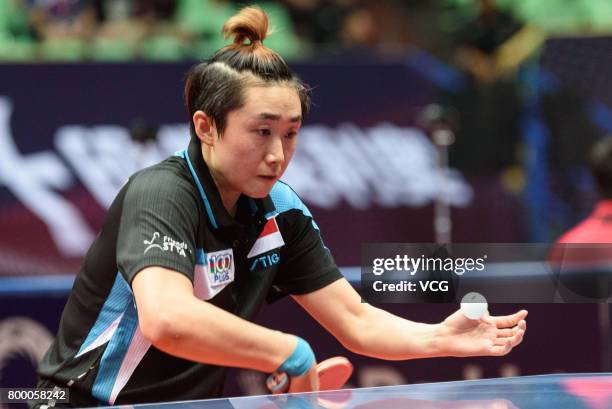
x: 300, y: 361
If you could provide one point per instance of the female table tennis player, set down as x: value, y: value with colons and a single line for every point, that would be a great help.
x: 192, y: 246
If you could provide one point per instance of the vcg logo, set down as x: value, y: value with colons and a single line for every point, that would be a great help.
x: 221, y: 267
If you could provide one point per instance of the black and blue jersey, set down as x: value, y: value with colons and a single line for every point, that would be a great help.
x: 171, y: 215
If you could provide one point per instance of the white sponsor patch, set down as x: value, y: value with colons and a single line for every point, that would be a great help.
x: 215, y: 274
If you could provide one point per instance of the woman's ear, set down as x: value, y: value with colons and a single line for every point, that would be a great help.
x: 205, y: 127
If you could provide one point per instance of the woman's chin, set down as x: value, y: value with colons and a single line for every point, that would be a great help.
x: 262, y: 190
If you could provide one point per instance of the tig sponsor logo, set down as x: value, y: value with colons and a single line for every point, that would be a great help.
x: 220, y: 267
x: 265, y: 261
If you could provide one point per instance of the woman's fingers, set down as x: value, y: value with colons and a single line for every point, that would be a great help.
x: 501, y: 349
x: 508, y: 321
x: 509, y: 332
x: 514, y: 339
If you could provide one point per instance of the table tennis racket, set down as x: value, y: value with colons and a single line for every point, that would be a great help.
x: 333, y: 374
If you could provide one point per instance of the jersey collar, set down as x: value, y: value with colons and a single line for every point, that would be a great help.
x: 217, y: 214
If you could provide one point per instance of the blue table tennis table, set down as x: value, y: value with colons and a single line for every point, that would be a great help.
x: 565, y: 391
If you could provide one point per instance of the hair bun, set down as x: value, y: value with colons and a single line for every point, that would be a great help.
x: 249, y: 23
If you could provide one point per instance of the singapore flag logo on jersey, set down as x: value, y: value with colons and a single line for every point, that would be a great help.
x: 269, y: 239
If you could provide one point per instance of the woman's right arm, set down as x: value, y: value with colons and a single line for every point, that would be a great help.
x: 175, y: 321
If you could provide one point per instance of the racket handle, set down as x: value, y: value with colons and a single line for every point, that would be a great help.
x: 278, y: 382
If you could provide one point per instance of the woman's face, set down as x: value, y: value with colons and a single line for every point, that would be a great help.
x: 258, y: 141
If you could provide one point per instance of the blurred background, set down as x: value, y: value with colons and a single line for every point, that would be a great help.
x: 433, y: 120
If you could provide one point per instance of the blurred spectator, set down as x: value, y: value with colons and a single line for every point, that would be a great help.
x: 319, y: 21
x: 338, y: 24
x: 359, y: 28
x: 117, y: 17
x: 565, y: 113
x: 597, y: 228
x: 147, y: 28
x: 177, y: 29
x: 582, y: 257
x: 122, y: 30
x: 482, y: 37
x: 63, y: 27
x: 61, y: 19
x: 489, y: 105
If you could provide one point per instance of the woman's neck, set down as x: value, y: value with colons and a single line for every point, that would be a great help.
x: 229, y: 197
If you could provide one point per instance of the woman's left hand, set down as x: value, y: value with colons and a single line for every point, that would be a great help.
x: 495, y: 336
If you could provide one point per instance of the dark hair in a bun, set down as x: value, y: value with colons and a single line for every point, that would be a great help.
x: 216, y: 86
x: 251, y: 23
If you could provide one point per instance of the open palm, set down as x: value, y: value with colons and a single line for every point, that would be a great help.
x: 496, y: 336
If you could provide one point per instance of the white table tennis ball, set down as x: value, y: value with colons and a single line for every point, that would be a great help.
x: 474, y: 305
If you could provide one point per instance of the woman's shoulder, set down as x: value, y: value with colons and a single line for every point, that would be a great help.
x: 287, y: 201
x: 285, y: 198
x: 168, y: 178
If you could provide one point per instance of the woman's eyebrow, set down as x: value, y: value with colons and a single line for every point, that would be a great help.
x: 277, y: 117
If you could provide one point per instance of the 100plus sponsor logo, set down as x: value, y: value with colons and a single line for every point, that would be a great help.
x: 220, y: 267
